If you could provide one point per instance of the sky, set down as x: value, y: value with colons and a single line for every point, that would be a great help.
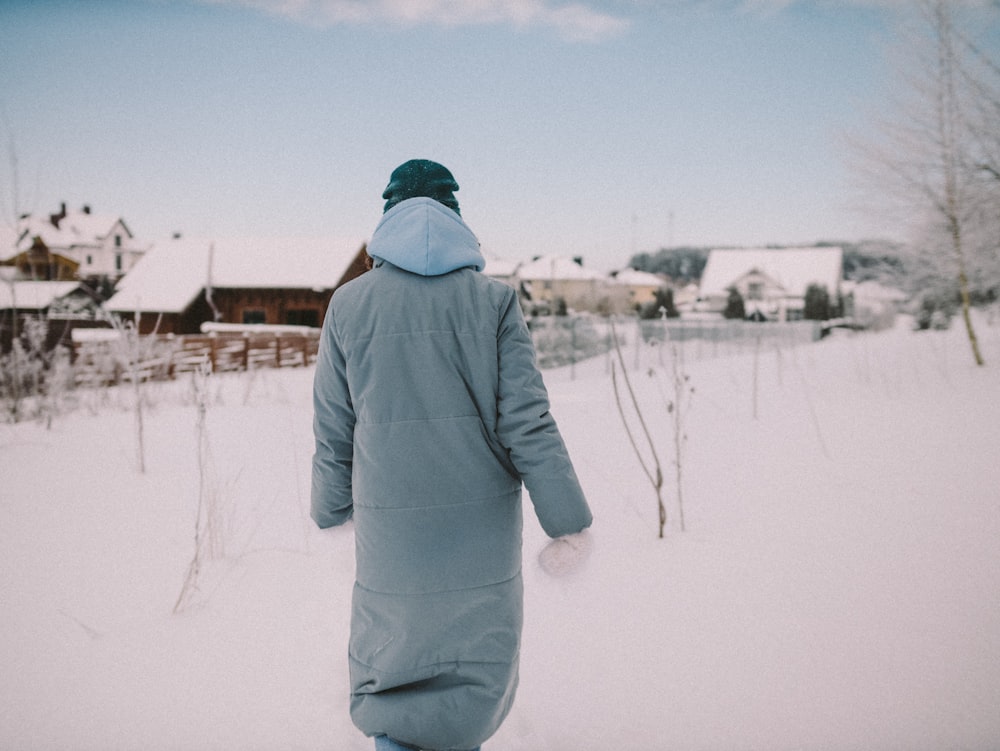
x: 594, y: 128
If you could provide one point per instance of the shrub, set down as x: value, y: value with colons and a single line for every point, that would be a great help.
x: 564, y: 340
x: 817, y: 303
x: 661, y: 304
x: 735, y: 307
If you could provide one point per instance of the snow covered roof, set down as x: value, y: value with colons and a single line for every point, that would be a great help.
x: 793, y: 268
x: 88, y: 227
x: 557, y: 267
x: 636, y: 278
x: 76, y: 228
x: 500, y: 267
x: 170, y: 275
x: 33, y: 295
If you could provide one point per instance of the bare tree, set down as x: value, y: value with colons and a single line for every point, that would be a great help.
x: 951, y: 196
x: 936, y: 154
x: 980, y: 79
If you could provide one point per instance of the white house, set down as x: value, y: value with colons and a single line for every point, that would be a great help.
x: 78, y: 243
x: 772, y: 282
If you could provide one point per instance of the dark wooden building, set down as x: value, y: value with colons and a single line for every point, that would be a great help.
x: 39, y: 263
x: 182, y: 284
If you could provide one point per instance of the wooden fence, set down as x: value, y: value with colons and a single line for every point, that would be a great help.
x: 113, y: 357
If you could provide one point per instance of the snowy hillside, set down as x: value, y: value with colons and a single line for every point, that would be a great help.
x: 837, y: 586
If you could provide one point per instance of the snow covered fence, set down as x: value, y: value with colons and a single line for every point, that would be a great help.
x: 565, y: 340
x: 102, y: 357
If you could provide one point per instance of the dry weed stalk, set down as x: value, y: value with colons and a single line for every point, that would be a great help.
x: 677, y: 408
x: 207, y: 511
x: 654, y: 473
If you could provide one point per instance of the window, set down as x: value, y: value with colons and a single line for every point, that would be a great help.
x: 302, y: 317
x: 253, y: 315
x: 118, y: 241
x: 90, y: 260
x: 118, y: 261
x: 755, y: 291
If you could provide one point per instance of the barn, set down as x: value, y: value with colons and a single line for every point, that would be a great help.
x: 182, y: 283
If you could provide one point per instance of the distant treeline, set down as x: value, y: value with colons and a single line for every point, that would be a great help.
x: 878, y: 260
x: 683, y: 265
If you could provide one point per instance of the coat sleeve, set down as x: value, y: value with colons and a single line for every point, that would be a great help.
x: 333, y: 428
x: 528, y: 431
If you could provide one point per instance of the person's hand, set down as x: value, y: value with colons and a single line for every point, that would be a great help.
x: 566, y: 554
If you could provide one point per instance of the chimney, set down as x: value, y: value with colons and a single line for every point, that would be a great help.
x: 56, y: 218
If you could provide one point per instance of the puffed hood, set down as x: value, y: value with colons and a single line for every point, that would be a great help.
x: 424, y: 237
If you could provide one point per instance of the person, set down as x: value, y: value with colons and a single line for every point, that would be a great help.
x: 430, y: 414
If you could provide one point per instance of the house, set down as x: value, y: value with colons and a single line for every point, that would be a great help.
x: 37, y: 298
x: 73, y: 245
x: 636, y: 288
x: 552, y: 280
x: 38, y: 262
x: 21, y: 301
x: 686, y: 297
x: 183, y: 283
x: 502, y: 269
x: 772, y: 282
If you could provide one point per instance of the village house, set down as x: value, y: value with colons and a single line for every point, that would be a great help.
x: 182, y: 283
x: 502, y: 270
x: 551, y: 281
x: 71, y: 245
x: 686, y: 298
x: 772, y: 282
x: 61, y: 303
x: 547, y: 280
x: 636, y: 288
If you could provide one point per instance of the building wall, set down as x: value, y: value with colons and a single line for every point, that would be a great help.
x: 640, y: 294
x: 289, y: 306
x: 40, y: 264
x: 592, y: 295
x: 273, y: 306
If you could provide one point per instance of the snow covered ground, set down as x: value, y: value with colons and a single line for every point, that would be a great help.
x: 838, y: 585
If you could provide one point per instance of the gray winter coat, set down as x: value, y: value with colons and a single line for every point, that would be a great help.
x: 429, y: 415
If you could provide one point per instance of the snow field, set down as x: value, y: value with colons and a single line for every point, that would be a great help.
x: 836, y: 588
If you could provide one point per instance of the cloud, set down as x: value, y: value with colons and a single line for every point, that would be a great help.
x: 572, y: 20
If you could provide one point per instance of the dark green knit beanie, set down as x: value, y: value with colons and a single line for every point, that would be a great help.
x: 421, y: 177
